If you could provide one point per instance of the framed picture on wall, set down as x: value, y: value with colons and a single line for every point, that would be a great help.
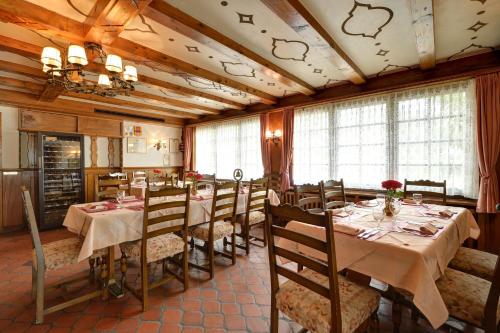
x: 137, y: 130
x: 136, y: 145
x: 174, y: 145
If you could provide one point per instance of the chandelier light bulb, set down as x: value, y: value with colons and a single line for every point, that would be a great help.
x: 77, y: 56
x: 103, y: 80
x: 114, y: 63
x: 130, y: 74
x: 51, y: 57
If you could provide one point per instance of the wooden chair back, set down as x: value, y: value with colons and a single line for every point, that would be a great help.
x: 108, y: 188
x: 275, y: 214
x: 426, y: 194
x: 35, y: 237
x: 139, y: 177
x: 333, y: 193
x: 308, y: 197
x: 274, y: 183
x: 174, y: 215
x: 173, y: 180
x: 207, y: 179
x: 258, y: 190
x: 224, y: 203
x: 490, y: 310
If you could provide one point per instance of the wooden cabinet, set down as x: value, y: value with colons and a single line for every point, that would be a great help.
x: 30, y: 120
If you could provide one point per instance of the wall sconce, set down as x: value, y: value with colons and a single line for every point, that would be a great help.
x: 275, y: 136
x: 160, y: 144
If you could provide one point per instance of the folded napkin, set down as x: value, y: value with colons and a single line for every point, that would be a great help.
x: 446, y: 213
x: 426, y: 229
x: 339, y: 212
x: 367, y: 203
x: 409, y: 202
x: 129, y: 198
x: 101, y: 207
x: 197, y: 197
x: 347, y: 229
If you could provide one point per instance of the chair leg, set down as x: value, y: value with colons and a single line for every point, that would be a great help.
x: 265, y: 237
x: 92, y: 269
x: 40, y: 277
x: 123, y: 270
x: 145, y: 285
x: 274, y: 316
x: 104, y: 278
x: 191, y: 242
x: 211, y: 260
x: 185, y: 264
x: 247, y: 237
x: 233, y: 247
x: 33, y: 283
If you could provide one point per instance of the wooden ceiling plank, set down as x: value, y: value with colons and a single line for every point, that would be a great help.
x: 174, y: 102
x: 16, y: 83
x: 293, y: 13
x: 177, y: 20
x: 75, y: 31
x: 423, y: 25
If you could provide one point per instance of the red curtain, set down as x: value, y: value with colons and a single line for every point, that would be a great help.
x: 264, y: 145
x: 188, y: 147
x: 488, y: 140
x: 286, y: 148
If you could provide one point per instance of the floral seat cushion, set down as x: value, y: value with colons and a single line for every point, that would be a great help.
x: 221, y: 229
x: 254, y: 218
x: 312, y: 311
x: 465, y: 296
x: 159, y: 247
x: 474, y: 262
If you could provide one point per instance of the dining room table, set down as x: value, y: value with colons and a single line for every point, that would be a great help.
x: 107, y: 224
x: 394, y: 251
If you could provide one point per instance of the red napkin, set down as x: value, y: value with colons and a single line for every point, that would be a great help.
x: 197, y: 197
x: 136, y: 208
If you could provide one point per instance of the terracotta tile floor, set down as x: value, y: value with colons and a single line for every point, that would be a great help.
x: 236, y: 300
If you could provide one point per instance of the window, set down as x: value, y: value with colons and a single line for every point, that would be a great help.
x: 426, y: 133
x: 221, y: 148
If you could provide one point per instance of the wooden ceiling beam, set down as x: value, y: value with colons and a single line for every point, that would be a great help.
x: 293, y: 13
x: 452, y: 70
x: 174, y: 102
x: 33, y: 51
x: 50, y: 92
x: 24, y: 11
x: 16, y: 83
x: 28, y: 100
x: 175, y: 19
x: 423, y: 25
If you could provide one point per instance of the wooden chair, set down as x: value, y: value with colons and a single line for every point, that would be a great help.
x: 308, y: 197
x: 139, y: 177
x: 108, y: 188
x: 173, y: 180
x: 438, y: 196
x: 159, y: 239
x: 471, y: 299
x: 52, y: 256
x: 333, y: 194
x: 475, y: 262
x: 258, y: 190
x: 317, y: 298
x: 221, y: 224
x: 207, y: 179
x: 275, y: 183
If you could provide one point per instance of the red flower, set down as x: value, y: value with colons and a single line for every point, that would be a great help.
x: 190, y: 174
x: 157, y: 171
x: 391, y: 184
x: 198, y: 176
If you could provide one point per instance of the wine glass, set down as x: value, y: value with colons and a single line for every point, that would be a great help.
x: 378, y: 215
x: 349, y: 209
x: 417, y: 197
x: 210, y: 188
x: 380, y: 199
x: 395, y: 208
x: 120, y: 196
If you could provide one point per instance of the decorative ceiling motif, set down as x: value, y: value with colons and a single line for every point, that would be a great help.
x: 192, y: 48
x: 318, y: 71
x: 477, y: 26
x: 238, y: 69
x: 289, y: 49
x: 245, y: 18
x: 472, y: 46
x: 200, y: 83
x: 366, y: 20
x: 70, y: 2
x: 149, y: 28
x: 390, y: 68
x: 382, y: 52
x: 481, y: 1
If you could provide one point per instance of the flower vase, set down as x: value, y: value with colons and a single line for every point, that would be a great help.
x: 387, y: 209
x: 194, y: 190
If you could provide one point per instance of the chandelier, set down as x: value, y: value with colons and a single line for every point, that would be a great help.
x: 70, y: 75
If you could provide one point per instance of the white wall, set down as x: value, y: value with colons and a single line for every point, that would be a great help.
x: 10, y: 137
x: 153, y: 157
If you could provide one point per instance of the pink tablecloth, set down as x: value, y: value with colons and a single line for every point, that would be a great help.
x: 112, y: 227
x: 413, y: 267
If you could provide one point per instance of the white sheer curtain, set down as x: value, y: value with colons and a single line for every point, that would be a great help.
x: 435, y: 136
x: 221, y: 148
x: 426, y: 133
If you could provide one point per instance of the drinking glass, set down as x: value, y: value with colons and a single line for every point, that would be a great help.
x: 417, y: 197
x: 378, y: 215
x: 210, y: 188
x: 349, y: 209
x: 395, y: 208
x: 380, y: 199
x: 120, y: 195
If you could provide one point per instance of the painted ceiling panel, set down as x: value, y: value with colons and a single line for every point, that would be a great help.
x: 151, y: 34
x: 472, y: 27
x: 254, y: 25
x: 376, y: 34
x: 77, y: 10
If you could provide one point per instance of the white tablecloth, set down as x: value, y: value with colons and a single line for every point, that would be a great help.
x: 413, y: 267
x: 112, y: 227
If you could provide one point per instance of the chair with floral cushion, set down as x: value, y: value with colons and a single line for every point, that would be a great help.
x: 333, y: 194
x: 308, y: 197
x: 438, y: 195
x: 317, y: 298
x: 258, y: 190
x: 53, y: 256
x: 474, y: 262
x: 164, y: 236
x: 221, y: 224
x: 471, y: 299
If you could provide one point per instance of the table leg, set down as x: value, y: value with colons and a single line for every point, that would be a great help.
x: 112, y: 286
